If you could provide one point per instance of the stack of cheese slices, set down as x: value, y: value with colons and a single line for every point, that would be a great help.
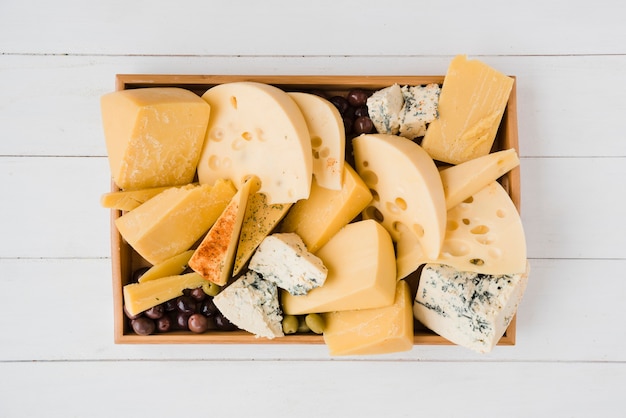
x: 248, y: 186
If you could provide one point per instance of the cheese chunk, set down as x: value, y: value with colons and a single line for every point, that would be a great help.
x: 154, y: 135
x: 384, y: 107
x: 361, y: 272
x: 170, y: 267
x: 407, y: 189
x: 484, y: 235
x: 468, y: 178
x: 141, y: 296
x: 251, y: 303
x: 258, y: 222
x: 213, y: 259
x: 469, y: 309
x: 129, y: 200
x: 471, y: 105
x: 257, y: 129
x: 328, y: 138
x: 419, y: 109
x: 325, y: 212
x: 172, y: 221
x: 372, y: 331
x: 283, y: 259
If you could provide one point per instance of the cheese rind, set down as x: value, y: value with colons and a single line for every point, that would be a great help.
x: 153, y: 135
x: 361, y: 272
x: 471, y: 105
x: 251, y: 303
x: 283, y: 259
x: 372, y: 331
x: 257, y: 129
x: 172, y: 221
x: 328, y: 138
x: 469, y: 309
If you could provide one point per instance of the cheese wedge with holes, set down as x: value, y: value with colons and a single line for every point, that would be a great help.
x: 464, y: 180
x: 328, y: 138
x: 213, y: 259
x: 257, y: 129
x: 472, y: 101
x: 484, y: 234
x: 326, y: 211
x: 372, y: 331
x: 172, y: 221
x: 407, y: 189
x: 129, y: 200
x: 154, y: 135
x: 361, y: 272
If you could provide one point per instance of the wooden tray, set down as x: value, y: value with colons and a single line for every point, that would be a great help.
x: 125, y: 260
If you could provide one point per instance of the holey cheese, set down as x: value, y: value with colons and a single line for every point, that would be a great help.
x: 153, y: 135
x: 257, y: 129
x: 406, y: 186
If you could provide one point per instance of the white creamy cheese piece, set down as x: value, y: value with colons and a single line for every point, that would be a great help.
x: 469, y: 309
x: 252, y: 304
x: 419, y: 109
x: 384, y: 107
x: 284, y: 260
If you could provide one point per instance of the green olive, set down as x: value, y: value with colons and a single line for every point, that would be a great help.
x: 290, y: 324
x: 211, y: 288
x: 315, y: 322
x: 302, y: 325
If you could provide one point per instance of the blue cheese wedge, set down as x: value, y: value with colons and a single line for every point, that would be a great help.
x: 283, y: 259
x: 419, y: 109
x: 252, y: 304
x: 384, y: 107
x: 470, y: 309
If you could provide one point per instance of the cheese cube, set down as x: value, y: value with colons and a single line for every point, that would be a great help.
x: 384, y: 107
x: 154, y: 136
x: 283, y: 259
x: 469, y: 309
x: 420, y: 109
x: 372, y: 331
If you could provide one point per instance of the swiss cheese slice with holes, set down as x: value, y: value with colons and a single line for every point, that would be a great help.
x: 328, y: 138
x: 484, y: 234
x: 406, y: 185
x: 257, y: 129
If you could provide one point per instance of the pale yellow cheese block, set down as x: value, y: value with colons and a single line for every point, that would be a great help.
x: 361, y: 272
x: 129, y: 200
x: 472, y: 102
x: 326, y: 211
x: 464, y: 180
x: 154, y: 136
x: 170, y: 267
x: 172, y: 221
x: 372, y: 331
x: 260, y: 219
x: 328, y: 138
x: 213, y: 259
x: 141, y: 296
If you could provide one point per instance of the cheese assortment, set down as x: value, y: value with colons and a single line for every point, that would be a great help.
x: 276, y: 224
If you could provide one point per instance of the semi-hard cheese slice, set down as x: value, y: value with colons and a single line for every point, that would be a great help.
x: 213, y: 259
x: 372, y: 331
x: 361, y: 272
x: 170, y: 267
x: 469, y: 309
x: 328, y: 138
x: 464, y: 180
x: 141, y: 296
x: 172, y: 221
x: 257, y: 129
x: 326, y: 211
x: 258, y: 222
x: 407, y: 189
x: 154, y: 135
x: 484, y: 234
x: 471, y: 105
x: 129, y: 200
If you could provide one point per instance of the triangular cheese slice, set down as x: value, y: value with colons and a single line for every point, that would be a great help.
x: 213, y: 259
x: 484, y: 234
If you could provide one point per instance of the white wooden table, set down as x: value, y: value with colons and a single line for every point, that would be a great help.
x: 57, y: 356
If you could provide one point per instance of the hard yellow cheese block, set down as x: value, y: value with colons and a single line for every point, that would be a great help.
x: 129, y: 200
x: 257, y: 129
x: 141, y: 296
x: 154, y: 136
x: 361, y: 272
x: 171, y: 222
x: 213, y: 259
x: 471, y: 105
x: 372, y: 331
x: 170, y: 267
x: 326, y: 211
